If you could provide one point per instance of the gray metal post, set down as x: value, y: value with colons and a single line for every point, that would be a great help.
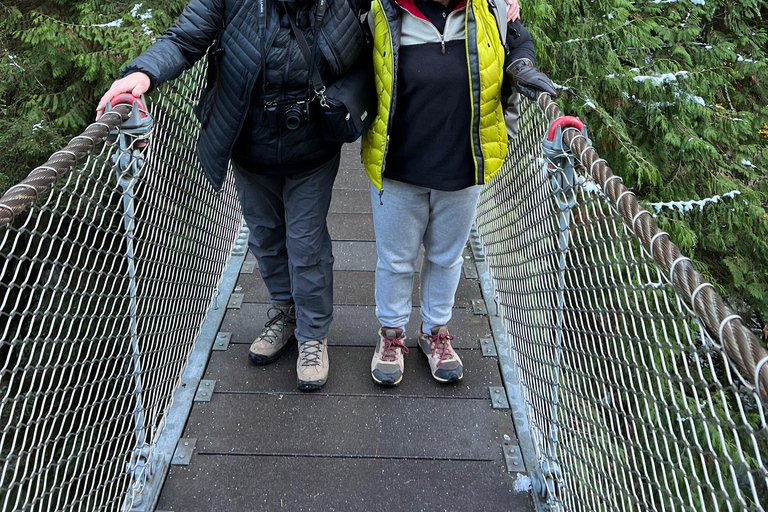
x: 562, y: 178
x: 139, y: 465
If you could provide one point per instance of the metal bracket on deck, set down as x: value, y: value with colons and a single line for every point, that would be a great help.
x: 513, y: 457
x: 488, y: 346
x: 248, y: 267
x: 222, y: 341
x: 184, y: 450
x: 479, y: 307
x: 205, y: 391
x: 498, y: 397
x: 470, y: 270
x: 235, y: 301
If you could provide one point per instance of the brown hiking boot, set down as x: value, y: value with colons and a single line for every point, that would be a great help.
x: 312, y: 365
x: 443, y: 361
x: 387, y: 365
x: 270, y: 344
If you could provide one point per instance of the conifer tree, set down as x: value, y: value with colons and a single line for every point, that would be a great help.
x: 675, y: 94
x: 56, y: 59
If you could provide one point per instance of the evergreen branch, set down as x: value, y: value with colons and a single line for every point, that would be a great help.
x: 112, y: 24
x: 599, y: 36
x: 602, y: 113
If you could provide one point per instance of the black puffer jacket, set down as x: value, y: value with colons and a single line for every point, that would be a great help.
x: 236, y: 62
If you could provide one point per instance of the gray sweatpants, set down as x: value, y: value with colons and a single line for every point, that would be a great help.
x: 408, y: 217
x: 289, y: 237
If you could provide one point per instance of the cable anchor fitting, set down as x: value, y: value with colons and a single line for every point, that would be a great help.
x: 561, y: 161
x: 132, y: 137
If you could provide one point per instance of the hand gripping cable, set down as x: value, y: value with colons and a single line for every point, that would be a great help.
x: 132, y: 136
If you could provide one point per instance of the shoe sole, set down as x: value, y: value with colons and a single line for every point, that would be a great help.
x: 262, y: 360
x: 451, y: 380
x: 311, y: 386
x: 389, y: 382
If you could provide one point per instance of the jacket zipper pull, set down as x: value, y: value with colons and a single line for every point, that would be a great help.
x: 442, y: 44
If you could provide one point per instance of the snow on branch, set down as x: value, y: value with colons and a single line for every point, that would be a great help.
x: 694, y: 2
x: 687, y: 206
x: 659, y: 79
x: 146, y: 15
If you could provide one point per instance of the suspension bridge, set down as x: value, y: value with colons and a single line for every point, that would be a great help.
x: 602, y: 371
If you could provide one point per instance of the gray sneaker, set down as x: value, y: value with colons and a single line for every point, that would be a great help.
x: 270, y: 344
x: 444, y: 363
x: 312, y: 365
x: 387, y: 364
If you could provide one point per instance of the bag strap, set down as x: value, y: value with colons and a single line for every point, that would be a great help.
x: 262, y: 15
x: 316, y: 81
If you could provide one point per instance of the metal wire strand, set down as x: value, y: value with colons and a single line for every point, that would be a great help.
x: 105, y: 279
x: 643, y: 391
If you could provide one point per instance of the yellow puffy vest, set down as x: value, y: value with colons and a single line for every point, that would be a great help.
x: 485, y: 59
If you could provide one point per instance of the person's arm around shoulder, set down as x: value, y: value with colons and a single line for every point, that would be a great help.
x: 513, y: 10
x: 174, y: 52
x: 520, y: 65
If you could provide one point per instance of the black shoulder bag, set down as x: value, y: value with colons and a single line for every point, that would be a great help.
x: 347, y: 106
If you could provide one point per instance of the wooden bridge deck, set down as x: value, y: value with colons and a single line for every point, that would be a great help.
x: 261, y: 444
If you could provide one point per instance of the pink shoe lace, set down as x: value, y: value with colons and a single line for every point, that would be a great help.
x: 391, y: 345
x: 440, y: 344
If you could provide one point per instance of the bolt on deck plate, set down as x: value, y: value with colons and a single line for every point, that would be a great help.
x: 489, y: 347
x: 498, y: 397
x: 478, y: 307
x: 222, y: 341
x: 513, y: 457
x: 205, y: 391
x: 470, y: 271
x: 235, y: 301
x: 248, y: 267
x: 184, y: 450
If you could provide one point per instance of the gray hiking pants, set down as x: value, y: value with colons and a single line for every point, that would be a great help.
x: 289, y: 237
x: 409, y: 217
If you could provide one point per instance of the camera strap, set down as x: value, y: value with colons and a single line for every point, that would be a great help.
x: 315, y: 80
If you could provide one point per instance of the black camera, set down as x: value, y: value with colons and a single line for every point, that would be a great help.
x: 290, y: 113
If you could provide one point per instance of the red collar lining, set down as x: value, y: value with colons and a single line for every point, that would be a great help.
x: 410, y: 6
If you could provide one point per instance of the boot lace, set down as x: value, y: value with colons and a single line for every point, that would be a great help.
x: 441, y: 346
x: 275, y: 324
x: 310, y: 353
x: 389, y: 353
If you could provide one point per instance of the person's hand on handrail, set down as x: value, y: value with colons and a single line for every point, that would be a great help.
x: 513, y: 10
x: 135, y: 83
x: 528, y: 80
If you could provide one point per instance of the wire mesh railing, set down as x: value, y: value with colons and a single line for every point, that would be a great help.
x: 642, y: 389
x: 106, y: 279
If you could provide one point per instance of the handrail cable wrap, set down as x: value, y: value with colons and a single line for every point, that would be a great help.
x: 41, y: 178
x: 741, y: 344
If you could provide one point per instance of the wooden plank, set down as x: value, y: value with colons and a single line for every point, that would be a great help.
x: 351, y: 201
x: 350, y: 374
x: 279, y: 484
x: 355, y: 288
x: 351, y: 227
x: 304, y: 424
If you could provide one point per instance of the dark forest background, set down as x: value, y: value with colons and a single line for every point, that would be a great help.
x: 674, y: 94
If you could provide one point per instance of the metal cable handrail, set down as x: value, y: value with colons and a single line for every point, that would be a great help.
x: 41, y: 178
x: 111, y: 258
x: 642, y: 391
x: 741, y: 344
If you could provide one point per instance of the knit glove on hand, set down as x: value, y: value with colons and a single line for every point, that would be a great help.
x: 529, y: 80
